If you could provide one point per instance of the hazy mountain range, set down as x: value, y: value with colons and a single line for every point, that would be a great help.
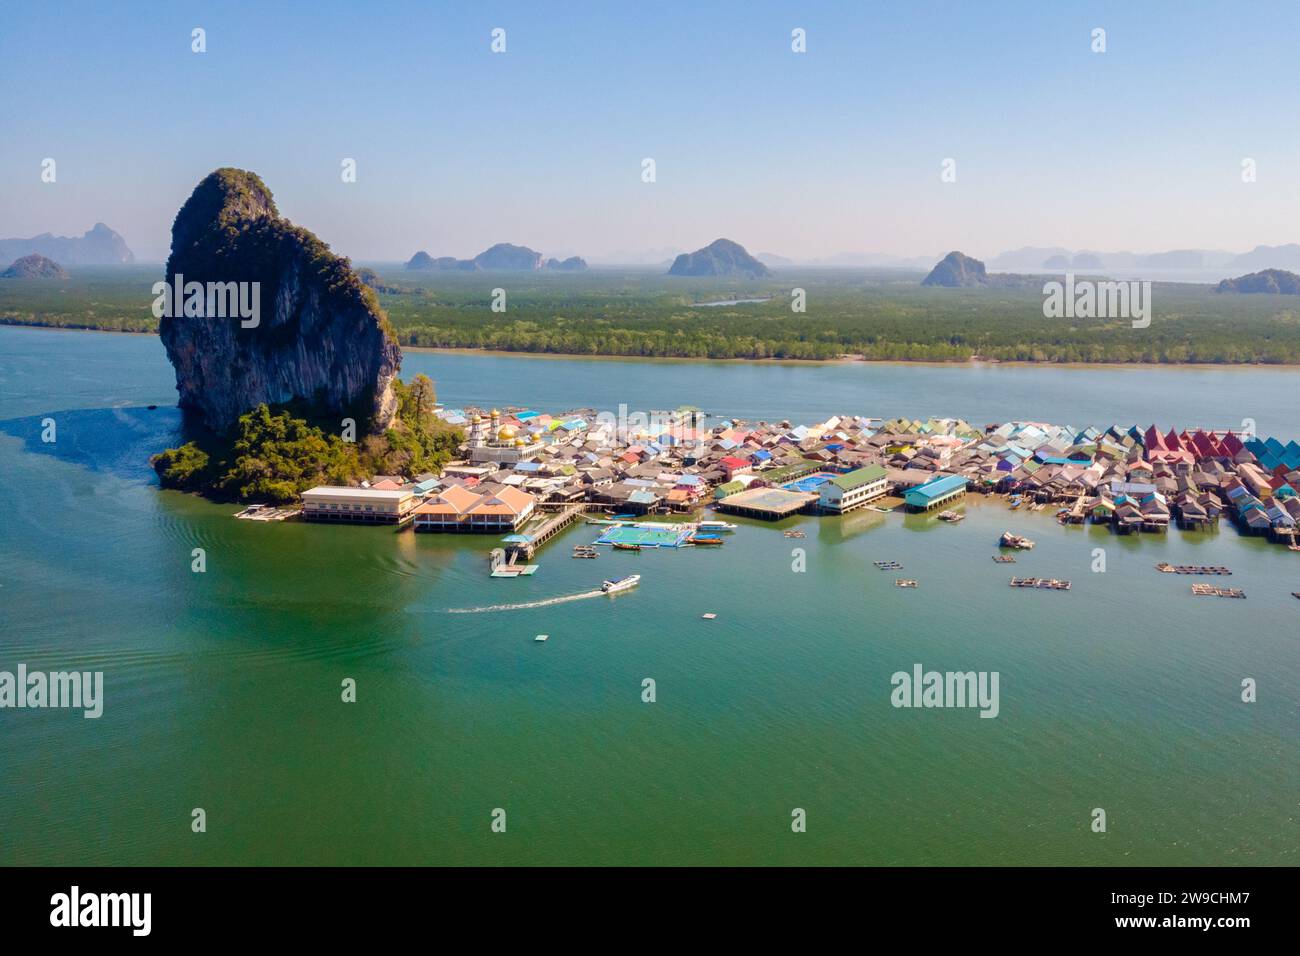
x: 100, y: 246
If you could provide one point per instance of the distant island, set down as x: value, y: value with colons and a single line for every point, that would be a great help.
x: 34, y: 266
x: 503, y: 257
x: 1275, y: 281
x: 722, y: 257
x: 957, y: 270
x: 100, y: 246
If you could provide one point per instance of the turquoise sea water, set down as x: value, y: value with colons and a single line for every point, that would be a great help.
x: 223, y: 688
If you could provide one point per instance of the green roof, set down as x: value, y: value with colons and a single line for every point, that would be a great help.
x: 790, y: 472
x: 859, y: 477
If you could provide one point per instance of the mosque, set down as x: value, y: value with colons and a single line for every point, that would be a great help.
x: 490, y: 441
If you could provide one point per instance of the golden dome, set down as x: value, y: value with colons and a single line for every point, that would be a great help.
x: 506, y: 433
x: 520, y: 443
x: 496, y: 413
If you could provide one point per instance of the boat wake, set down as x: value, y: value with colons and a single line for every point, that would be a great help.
x: 518, y: 607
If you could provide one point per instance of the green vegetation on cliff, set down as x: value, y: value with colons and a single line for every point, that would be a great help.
x: 272, y: 455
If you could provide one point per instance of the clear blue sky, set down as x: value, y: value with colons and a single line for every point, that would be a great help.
x: 838, y: 149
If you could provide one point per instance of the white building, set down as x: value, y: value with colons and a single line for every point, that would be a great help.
x: 848, y: 491
x: 364, y: 505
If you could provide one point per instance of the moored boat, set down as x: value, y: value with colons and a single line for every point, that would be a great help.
x: 718, y: 526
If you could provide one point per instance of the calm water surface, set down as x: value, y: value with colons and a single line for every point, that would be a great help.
x: 223, y: 688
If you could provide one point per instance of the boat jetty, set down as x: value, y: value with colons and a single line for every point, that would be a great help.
x: 262, y: 512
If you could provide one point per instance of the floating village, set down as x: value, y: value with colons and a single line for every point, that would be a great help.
x: 526, y: 475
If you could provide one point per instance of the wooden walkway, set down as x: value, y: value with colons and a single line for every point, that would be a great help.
x: 544, y: 532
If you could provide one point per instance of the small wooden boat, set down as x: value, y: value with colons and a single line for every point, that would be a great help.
x: 1004, y: 559
x: 904, y: 583
x: 624, y: 546
x: 705, y: 539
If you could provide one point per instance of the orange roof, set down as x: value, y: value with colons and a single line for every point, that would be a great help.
x: 453, y: 500
x: 507, y: 501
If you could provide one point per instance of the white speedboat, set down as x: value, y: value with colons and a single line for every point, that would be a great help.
x: 716, y: 526
x: 621, y: 584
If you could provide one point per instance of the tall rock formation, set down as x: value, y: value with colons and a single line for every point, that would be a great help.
x: 321, y: 340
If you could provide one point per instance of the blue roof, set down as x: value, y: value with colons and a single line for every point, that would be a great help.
x: 937, y: 488
x: 528, y: 466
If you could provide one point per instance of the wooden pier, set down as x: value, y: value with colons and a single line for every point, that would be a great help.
x: 542, y: 533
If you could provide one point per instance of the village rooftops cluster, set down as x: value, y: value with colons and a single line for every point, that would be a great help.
x: 1134, y: 478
